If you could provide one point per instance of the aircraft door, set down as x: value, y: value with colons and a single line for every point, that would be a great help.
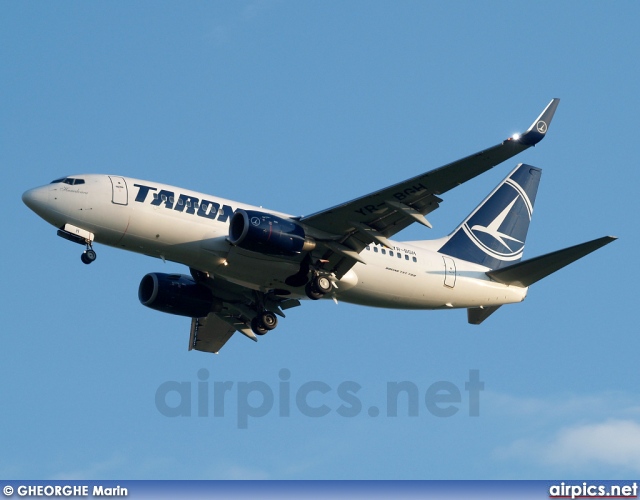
x: 449, y: 272
x: 119, y: 192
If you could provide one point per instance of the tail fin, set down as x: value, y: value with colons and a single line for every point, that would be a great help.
x: 494, y: 234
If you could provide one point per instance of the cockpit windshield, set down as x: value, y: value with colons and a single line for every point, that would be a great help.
x: 68, y: 180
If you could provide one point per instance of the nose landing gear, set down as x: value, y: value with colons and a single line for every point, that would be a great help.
x: 88, y: 256
x: 82, y: 237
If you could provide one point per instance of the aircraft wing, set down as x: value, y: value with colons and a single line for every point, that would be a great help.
x: 377, y: 216
x: 209, y: 334
x: 237, y: 307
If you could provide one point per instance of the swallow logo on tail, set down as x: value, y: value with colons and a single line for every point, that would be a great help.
x: 494, y: 234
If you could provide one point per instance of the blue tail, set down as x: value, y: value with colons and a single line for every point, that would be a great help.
x: 494, y: 234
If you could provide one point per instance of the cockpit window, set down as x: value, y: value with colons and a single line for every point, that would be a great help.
x: 68, y: 180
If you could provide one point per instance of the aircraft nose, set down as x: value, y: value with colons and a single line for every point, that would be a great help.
x: 36, y: 199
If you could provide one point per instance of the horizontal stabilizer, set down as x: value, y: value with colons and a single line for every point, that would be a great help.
x: 527, y: 272
x: 476, y: 315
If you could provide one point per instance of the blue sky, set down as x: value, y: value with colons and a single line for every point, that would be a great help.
x: 298, y: 106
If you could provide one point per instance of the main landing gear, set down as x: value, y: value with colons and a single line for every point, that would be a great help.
x: 264, y: 322
x: 89, y: 255
x: 318, y: 287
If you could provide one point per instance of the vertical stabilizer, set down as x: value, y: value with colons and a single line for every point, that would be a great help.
x: 494, y: 234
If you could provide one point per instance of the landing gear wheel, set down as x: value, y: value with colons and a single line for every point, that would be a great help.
x: 312, y: 293
x: 322, y: 284
x: 269, y: 320
x: 88, y: 256
x: 257, y: 327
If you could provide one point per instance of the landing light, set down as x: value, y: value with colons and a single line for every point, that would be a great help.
x: 515, y: 137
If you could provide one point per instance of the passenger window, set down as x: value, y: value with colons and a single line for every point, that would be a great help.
x: 384, y: 252
x: 415, y: 260
x: 406, y: 257
x: 391, y: 253
x: 375, y: 249
x: 399, y: 255
x: 368, y: 248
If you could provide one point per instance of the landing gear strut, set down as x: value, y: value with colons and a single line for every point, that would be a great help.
x: 82, y: 237
x: 269, y: 320
x: 89, y: 255
x: 264, y: 322
x: 257, y: 327
x: 318, y: 287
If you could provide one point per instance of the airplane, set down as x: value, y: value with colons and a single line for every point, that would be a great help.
x: 248, y: 264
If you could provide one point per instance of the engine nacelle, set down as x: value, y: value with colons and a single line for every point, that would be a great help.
x: 266, y: 233
x: 176, y: 294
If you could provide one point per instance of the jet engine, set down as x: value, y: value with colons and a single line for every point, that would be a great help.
x: 266, y: 233
x: 176, y: 294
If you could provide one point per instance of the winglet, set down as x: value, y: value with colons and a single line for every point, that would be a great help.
x: 538, y: 129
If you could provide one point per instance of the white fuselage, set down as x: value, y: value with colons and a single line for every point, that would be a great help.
x: 191, y: 228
